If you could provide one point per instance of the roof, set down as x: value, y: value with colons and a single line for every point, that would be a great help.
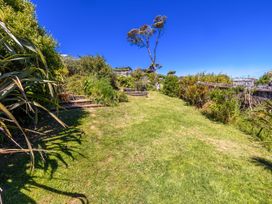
x: 122, y: 69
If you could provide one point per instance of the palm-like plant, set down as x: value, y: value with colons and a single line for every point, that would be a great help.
x: 25, y: 87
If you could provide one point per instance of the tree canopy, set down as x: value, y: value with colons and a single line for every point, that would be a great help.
x: 19, y: 16
x: 142, y: 36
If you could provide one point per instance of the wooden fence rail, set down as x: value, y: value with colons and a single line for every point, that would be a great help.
x: 259, y: 93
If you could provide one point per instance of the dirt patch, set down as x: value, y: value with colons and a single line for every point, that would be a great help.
x: 107, y: 160
x: 233, y: 148
x: 229, y: 146
x: 93, y: 127
x: 224, y: 145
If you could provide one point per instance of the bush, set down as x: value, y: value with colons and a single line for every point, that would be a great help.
x: 171, y: 86
x: 100, y: 90
x: 90, y: 65
x: 126, y: 82
x: 258, y: 122
x: 141, y: 84
x: 153, y: 80
x: 196, y: 94
x: 75, y: 84
x: 137, y: 74
x: 122, y: 97
x: 193, y: 93
x: 223, y: 105
x: 140, y: 79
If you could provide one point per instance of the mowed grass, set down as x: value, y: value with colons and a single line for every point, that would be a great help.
x: 157, y: 150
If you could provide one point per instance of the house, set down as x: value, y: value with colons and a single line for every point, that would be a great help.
x: 244, y: 82
x: 123, y: 71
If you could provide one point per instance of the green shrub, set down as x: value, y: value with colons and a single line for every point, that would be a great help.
x: 100, y: 90
x: 258, y: 123
x: 122, y: 97
x: 196, y: 94
x: 75, y: 84
x: 223, y: 105
x: 95, y: 65
x: 126, y: 81
x: 90, y: 65
x: 171, y: 86
x: 141, y: 84
x: 140, y: 80
x: 137, y: 74
x: 153, y: 80
x: 248, y: 125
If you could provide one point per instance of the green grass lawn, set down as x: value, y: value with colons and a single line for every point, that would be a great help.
x: 151, y: 150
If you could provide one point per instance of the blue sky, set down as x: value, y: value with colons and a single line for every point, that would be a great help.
x: 227, y: 36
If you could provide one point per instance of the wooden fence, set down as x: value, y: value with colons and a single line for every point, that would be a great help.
x: 257, y: 92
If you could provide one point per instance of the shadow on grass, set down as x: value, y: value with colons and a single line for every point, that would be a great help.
x: 61, y: 144
x: 266, y: 164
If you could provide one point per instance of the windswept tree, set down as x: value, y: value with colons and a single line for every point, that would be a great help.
x: 145, y: 35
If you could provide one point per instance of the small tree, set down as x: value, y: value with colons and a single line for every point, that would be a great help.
x: 142, y: 37
x: 171, y: 85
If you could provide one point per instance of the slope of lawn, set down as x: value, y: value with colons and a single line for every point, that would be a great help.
x: 152, y: 150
